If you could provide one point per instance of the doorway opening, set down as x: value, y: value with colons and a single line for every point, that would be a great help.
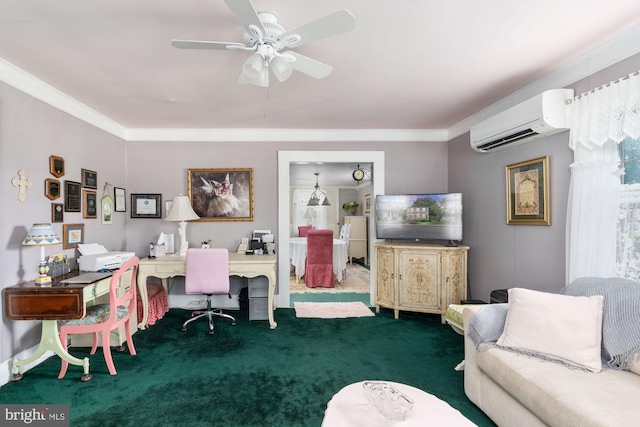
x: 285, y: 160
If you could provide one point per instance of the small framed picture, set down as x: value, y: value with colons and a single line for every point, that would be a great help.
x: 52, y: 188
x: 528, y: 192
x: 72, y: 196
x: 106, y: 210
x: 90, y: 204
x: 56, y: 166
x: 367, y: 203
x: 72, y: 235
x: 146, y: 206
x: 57, y: 212
x: 120, y: 199
x: 89, y: 179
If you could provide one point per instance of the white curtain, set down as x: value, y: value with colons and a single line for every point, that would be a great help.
x: 598, y: 121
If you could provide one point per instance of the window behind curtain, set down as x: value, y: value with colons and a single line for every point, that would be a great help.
x: 628, y: 226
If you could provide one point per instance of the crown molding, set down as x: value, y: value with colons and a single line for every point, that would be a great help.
x: 29, y: 84
x: 288, y: 135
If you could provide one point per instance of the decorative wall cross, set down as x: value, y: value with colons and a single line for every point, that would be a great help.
x: 23, y: 182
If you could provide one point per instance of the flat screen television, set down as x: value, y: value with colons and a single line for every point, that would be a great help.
x: 419, y: 217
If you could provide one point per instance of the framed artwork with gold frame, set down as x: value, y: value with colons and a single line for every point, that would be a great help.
x: 90, y: 205
x: 56, y: 166
x: 528, y: 192
x: 221, y: 194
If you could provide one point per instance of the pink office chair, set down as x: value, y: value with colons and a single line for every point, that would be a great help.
x: 104, y: 318
x: 303, y: 230
x: 208, y: 274
x: 319, y: 268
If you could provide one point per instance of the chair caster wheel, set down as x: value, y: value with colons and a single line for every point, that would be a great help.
x: 233, y: 323
x: 211, y: 332
x: 16, y: 377
x: 86, y: 377
x: 183, y: 329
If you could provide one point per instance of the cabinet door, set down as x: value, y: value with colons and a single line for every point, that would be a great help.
x: 454, y: 265
x: 384, y: 276
x: 419, y: 284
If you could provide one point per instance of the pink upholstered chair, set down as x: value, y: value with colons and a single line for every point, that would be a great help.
x: 104, y: 318
x: 319, y: 264
x: 303, y: 230
x: 207, y: 274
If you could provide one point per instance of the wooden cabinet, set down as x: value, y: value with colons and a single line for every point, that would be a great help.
x: 358, y: 237
x: 420, y: 277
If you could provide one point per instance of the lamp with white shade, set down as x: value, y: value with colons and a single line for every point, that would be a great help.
x: 42, y: 234
x: 183, y: 212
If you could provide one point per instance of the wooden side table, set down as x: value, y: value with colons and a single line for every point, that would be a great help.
x: 29, y: 301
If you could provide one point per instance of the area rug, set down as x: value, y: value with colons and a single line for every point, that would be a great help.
x: 332, y: 310
x: 356, y: 281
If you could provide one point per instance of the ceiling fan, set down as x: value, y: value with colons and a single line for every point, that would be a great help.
x: 267, y: 38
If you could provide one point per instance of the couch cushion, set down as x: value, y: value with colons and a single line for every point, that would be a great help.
x: 560, y: 327
x: 635, y: 364
x: 561, y: 396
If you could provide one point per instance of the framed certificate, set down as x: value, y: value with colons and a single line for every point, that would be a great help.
x: 146, y: 206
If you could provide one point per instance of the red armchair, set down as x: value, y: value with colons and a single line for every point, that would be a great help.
x: 319, y: 268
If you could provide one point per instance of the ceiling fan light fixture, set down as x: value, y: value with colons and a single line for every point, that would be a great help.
x: 282, y: 68
x: 253, y: 67
x: 263, y: 78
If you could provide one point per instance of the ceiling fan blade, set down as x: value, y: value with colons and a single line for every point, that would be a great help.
x: 197, y: 44
x: 310, y: 66
x: 245, y: 13
x: 330, y: 25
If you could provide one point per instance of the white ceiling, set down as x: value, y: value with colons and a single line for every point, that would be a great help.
x: 408, y: 65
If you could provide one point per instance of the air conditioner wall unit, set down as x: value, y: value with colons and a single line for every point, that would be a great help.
x: 535, y: 118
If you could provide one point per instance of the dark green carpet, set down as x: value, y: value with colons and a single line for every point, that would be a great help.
x: 249, y: 375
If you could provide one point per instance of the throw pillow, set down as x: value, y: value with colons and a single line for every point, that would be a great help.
x: 555, y: 327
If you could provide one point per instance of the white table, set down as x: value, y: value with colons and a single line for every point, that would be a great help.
x: 350, y: 407
x: 298, y: 253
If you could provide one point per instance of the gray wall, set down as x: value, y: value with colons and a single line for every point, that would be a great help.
x: 501, y: 255
x: 161, y: 167
x: 30, y: 132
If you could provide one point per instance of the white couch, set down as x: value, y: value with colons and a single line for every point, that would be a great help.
x: 515, y: 389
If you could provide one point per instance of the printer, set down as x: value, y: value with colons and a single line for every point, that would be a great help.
x: 95, y: 257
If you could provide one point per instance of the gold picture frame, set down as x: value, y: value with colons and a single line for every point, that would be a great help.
x: 90, y: 205
x: 56, y: 166
x: 528, y: 192
x: 221, y: 194
x: 52, y: 188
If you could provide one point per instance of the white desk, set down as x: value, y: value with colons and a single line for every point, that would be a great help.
x: 248, y: 266
x: 350, y: 408
x: 298, y: 253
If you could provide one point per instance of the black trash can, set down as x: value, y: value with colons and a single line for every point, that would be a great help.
x: 499, y: 296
